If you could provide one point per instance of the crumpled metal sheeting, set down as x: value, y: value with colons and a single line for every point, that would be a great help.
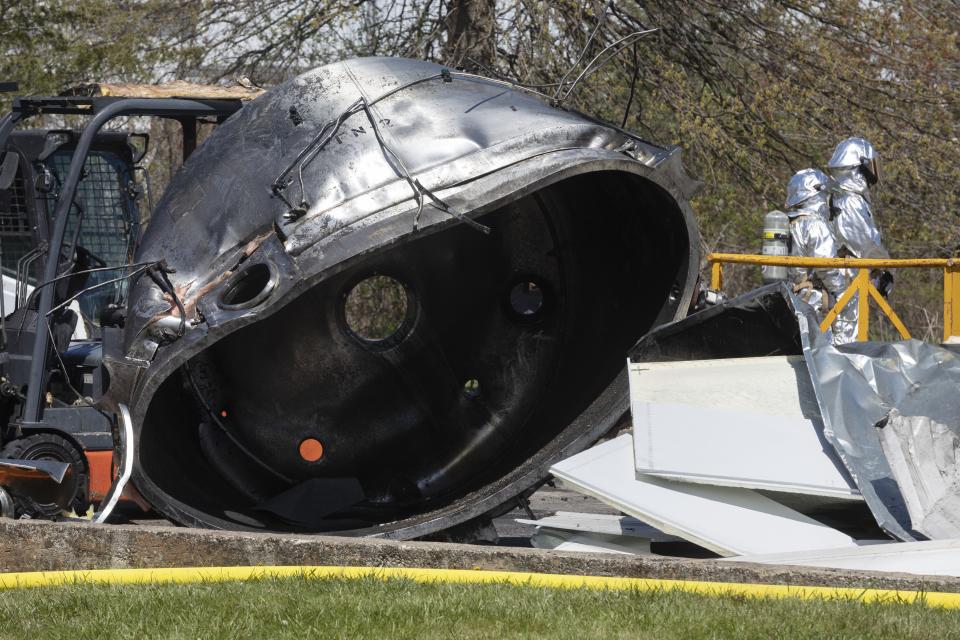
x: 859, y: 387
x: 922, y: 453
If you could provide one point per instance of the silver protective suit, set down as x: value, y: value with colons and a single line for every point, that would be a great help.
x: 808, y: 207
x: 853, y: 222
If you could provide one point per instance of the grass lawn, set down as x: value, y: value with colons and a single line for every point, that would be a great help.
x: 385, y: 609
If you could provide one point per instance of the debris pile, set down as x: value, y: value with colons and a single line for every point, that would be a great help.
x: 812, y: 455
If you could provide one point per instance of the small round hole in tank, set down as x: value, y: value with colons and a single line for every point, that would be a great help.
x: 471, y: 388
x: 526, y: 299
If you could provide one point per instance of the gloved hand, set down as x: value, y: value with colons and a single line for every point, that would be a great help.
x: 885, y: 283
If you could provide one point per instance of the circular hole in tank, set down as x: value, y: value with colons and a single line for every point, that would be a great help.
x: 526, y: 299
x: 376, y: 309
x: 248, y: 288
x: 471, y: 388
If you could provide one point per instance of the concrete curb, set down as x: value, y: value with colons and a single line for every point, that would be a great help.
x: 48, y: 546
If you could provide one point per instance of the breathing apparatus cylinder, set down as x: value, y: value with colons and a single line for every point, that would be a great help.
x: 776, y: 242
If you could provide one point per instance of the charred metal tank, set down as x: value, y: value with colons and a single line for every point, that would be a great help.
x: 525, y: 247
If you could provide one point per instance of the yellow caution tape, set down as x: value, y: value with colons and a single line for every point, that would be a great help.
x: 467, y: 576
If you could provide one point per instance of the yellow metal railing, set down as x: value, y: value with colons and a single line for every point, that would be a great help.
x: 861, y: 284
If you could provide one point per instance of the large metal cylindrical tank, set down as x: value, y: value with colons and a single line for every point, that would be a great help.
x: 408, y: 291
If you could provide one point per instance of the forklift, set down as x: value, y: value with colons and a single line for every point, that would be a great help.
x: 70, y: 220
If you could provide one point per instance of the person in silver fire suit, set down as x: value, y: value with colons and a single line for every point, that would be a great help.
x: 853, y: 169
x: 808, y: 207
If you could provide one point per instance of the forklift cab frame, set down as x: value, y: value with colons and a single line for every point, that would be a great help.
x: 31, y: 171
x: 25, y: 371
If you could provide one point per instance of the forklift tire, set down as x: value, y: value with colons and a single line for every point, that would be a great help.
x: 47, y: 446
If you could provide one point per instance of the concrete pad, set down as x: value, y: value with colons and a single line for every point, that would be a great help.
x: 36, y: 545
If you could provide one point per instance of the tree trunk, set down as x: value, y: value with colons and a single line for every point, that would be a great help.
x: 471, y: 34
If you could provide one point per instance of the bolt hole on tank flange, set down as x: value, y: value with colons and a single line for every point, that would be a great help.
x: 248, y: 288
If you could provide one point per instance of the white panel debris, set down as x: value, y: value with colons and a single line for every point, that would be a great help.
x: 736, y: 449
x: 747, y: 422
x: 729, y: 521
x: 929, y: 557
x: 600, y: 523
x: 716, y: 384
x: 562, y: 540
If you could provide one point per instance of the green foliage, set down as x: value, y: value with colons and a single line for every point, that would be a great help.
x: 371, y: 608
x: 375, y: 308
x: 48, y: 45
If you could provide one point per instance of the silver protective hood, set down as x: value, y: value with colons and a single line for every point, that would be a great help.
x: 531, y: 247
x: 854, y: 166
x: 805, y: 184
x: 851, y: 153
